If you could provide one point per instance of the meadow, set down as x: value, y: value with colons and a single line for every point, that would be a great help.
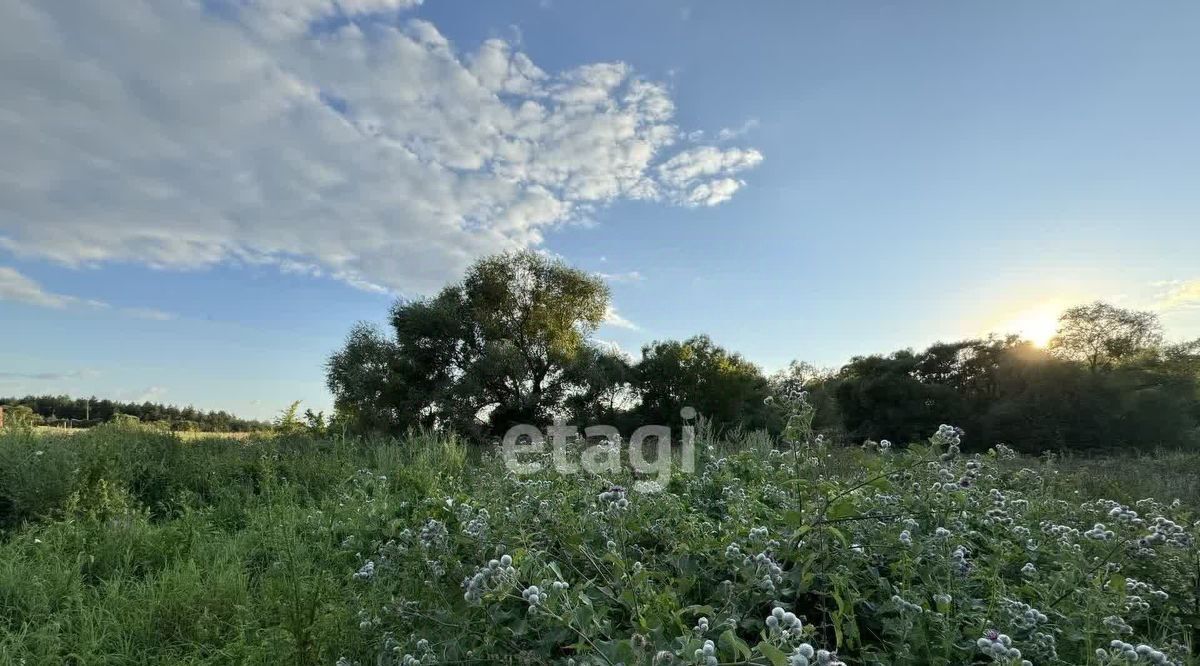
x: 124, y: 545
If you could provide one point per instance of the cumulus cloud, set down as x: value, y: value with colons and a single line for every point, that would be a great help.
x: 701, y: 176
x: 18, y: 288
x: 329, y: 136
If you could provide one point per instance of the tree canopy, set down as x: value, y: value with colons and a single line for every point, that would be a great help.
x: 501, y: 347
x: 56, y: 409
x: 1102, y: 335
x: 511, y: 343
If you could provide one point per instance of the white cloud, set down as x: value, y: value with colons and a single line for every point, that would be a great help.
x: 613, y: 318
x: 148, y: 313
x: 731, y: 133
x: 47, y: 376
x: 148, y: 394
x: 1178, y: 294
x: 19, y: 288
x: 700, y: 176
x: 184, y: 134
x: 628, y: 276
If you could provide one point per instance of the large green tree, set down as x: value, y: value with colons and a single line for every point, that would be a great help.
x: 499, y: 348
x: 722, y: 386
x: 1101, y: 335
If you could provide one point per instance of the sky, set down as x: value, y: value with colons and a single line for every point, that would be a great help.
x: 198, y: 199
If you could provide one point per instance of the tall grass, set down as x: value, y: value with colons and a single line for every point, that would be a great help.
x: 120, y: 545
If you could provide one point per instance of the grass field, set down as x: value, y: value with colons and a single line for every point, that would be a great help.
x: 184, y: 435
x: 126, y: 546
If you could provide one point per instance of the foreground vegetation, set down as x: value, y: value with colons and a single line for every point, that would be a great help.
x: 121, y: 545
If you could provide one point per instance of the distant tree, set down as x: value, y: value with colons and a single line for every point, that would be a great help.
x: 20, y: 417
x: 288, y: 422
x: 315, y: 421
x: 720, y: 385
x: 494, y: 350
x: 884, y: 397
x: 799, y: 376
x: 125, y: 419
x: 1102, y: 335
x: 90, y: 411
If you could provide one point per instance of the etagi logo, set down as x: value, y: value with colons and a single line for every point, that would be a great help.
x: 524, y: 450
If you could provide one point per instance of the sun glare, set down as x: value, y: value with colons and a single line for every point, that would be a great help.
x: 1037, y: 326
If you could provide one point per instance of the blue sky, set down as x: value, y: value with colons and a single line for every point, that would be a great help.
x: 199, y: 199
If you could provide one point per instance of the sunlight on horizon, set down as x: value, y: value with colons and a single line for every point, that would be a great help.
x: 1037, y: 324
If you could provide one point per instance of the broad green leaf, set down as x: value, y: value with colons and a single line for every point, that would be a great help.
x: 773, y: 654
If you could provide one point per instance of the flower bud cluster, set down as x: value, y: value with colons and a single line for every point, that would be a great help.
x: 615, y: 499
x: 1099, y: 533
x: 1122, y: 652
x: 906, y: 606
x: 486, y: 577
x: 999, y: 647
x: 785, y: 623
x: 434, y: 534
x: 949, y: 437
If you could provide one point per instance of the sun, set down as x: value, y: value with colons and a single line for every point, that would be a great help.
x: 1037, y: 326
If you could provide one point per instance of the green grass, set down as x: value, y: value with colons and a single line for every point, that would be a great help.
x: 125, y: 546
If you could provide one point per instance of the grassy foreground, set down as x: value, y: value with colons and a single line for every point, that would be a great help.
x: 125, y: 546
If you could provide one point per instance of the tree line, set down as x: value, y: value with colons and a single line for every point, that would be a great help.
x: 61, y: 410
x: 512, y: 344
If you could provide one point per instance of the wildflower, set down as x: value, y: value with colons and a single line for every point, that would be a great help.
x: 434, y: 534
x: 958, y: 560
x: 906, y: 538
x: 906, y: 606
x: 1099, y: 532
x: 1117, y: 625
x: 1028, y: 569
x: 1004, y: 452
x: 998, y: 646
x: 477, y: 528
x: 366, y: 572
x: 784, y: 622
x: 707, y: 654
x: 534, y: 595
x: 950, y: 437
